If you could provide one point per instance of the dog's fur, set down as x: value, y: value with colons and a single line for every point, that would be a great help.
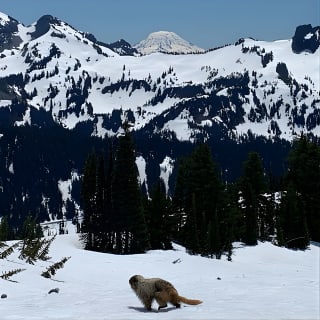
x: 157, y: 289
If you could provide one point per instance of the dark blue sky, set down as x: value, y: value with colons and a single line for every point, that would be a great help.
x: 206, y: 23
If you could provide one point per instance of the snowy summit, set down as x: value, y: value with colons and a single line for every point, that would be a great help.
x: 167, y: 42
x: 4, y: 19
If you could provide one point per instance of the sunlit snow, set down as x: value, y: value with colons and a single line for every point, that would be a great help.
x: 261, y: 282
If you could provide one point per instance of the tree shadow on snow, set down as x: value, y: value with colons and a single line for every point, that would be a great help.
x: 142, y: 309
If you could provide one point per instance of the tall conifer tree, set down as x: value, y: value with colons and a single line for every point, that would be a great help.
x: 304, y: 176
x: 253, y: 184
x: 101, y: 206
x: 130, y: 225
x: 293, y: 222
x: 4, y: 229
x: 159, y: 217
x: 109, y: 223
x: 199, y: 194
x: 88, y: 197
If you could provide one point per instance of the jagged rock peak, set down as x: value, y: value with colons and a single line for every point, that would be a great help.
x: 42, y: 26
x: 8, y: 30
x: 123, y: 47
x: 167, y: 42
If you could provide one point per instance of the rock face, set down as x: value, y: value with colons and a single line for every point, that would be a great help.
x: 306, y: 38
x: 166, y: 42
x: 8, y: 32
x: 123, y: 48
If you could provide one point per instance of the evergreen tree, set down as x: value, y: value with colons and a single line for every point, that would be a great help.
x: 198, y: 195
x: 214, y: 246
x: 229, y: 218
x: 160, y: 222
x: 252, y: 186
x: 30, y: 229
x: 190, y: 231
x: 100, y: 206
x: 4, y: 229
x: 179, y: 199
x: 294, y: 231
x: 234, y: 227
x: 51, y: 270
x: 88, y: 196
x: 109, y: 223
x: 130, y: 224
x: 267, y: 214
x: 304, y: 177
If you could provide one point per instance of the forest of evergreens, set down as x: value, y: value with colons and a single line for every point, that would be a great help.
x: 204, y: 213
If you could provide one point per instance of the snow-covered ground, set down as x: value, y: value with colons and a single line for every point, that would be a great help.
x: 262, y: 282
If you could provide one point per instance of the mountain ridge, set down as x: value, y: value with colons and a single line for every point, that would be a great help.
x: 69, y: 93
x: 111, y: 78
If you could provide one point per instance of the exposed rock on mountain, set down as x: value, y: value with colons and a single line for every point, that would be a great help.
x: 306, y: 38
x: 8, y: 32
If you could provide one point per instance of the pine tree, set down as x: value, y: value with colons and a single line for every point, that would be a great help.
x: 214, y: 246
x: 100, y: 206
x: 160, y: 222
x: 304, y: 175
x: 130, y: 224
x: 30, y: 229
x: 88, y: 196
x: 190, y: 232
x: 109, y: 219
x: 267, y: 214
x: 229, y: 217
x: 98, y: 226
x: 7, y: 250
x: 7, y: 275
x: 179, y: 200
x: 293, y: 220
x: 51, y: 270
x: 252, y: 186
x: 198, y: 196
x: 4, y: 229
x: 35, y: 249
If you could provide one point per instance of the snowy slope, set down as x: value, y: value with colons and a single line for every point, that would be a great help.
x: 262, y: 282
x: 4, y: 19
x: 235, y: 88
x: 166, y: 42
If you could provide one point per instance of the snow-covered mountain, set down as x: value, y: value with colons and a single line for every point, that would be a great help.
x: 62, y: 87
x: 166, y: 42
x: 268, y: 88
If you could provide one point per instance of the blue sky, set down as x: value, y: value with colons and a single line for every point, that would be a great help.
x: 206, y: 23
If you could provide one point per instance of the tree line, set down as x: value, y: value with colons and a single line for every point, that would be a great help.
x: 204, y: 213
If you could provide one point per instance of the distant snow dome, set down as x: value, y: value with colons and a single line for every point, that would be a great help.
x: 167, y: 42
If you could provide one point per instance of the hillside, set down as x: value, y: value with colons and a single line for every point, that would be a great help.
x: 64, y: 93
x: 262, y: 282
x: 271, y: 88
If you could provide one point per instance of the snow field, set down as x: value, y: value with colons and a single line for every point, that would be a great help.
x: 262, y: 282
